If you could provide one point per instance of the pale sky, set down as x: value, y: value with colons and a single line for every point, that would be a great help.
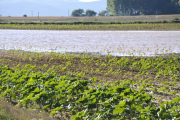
x: 48, y: 7
x: 46, y: 1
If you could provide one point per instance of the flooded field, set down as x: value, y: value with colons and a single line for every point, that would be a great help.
x: 117, y: 43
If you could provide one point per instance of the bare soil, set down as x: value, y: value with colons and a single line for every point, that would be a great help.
x: 96, y: 18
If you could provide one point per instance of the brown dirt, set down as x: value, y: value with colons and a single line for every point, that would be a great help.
x: 97, y: 18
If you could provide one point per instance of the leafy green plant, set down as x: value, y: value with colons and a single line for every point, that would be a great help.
x: 91, y: 87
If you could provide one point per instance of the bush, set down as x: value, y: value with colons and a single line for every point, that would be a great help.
x: 24, y: 15
x: 164, y: 21
x: 176, y: 20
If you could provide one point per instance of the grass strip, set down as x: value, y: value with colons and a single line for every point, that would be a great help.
x: 161, y: 26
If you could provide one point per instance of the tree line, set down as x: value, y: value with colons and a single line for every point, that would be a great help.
x: 81, y: 12
x: 134, y: 7
x: 143, y: 7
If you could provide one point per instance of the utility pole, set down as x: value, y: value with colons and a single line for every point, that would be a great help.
x: 38, y: 15
x: 32, y: 13
x: 68, y: 12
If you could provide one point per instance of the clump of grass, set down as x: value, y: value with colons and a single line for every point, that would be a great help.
x: 10, y: 112
x: 4, y: 113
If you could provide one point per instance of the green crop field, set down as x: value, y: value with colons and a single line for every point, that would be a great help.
x: 74, y: 86
x: 81, y: 86
x: 173, y: 24
x: 159, y: 26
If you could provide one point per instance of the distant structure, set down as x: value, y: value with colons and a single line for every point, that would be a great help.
x: 32, y: 12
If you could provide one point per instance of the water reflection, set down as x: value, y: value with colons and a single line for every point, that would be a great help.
x: 121, y: 43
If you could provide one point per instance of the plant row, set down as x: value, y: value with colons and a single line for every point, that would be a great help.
x: 81, y: 99
x: 162, y: 26
x: 176, y: 20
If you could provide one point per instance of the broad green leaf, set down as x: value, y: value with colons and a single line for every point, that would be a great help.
x: 106, y: 103
x: 118, y: 110
x: 121, y: 104
x: 58, y: 108
x: 53, y: 112
x: 94, y: 100
x: 13, y: 95
x: 36, y: 90
x: 92, y: 97
x: 131, y: 99
x: 46, y: 106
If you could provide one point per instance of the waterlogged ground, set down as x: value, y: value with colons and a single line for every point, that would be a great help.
x: 120, y: 43
x: 146, y: 87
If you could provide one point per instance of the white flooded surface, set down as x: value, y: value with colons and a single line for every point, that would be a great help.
x: 119, y: 43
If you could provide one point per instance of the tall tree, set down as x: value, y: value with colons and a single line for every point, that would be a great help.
x: 90, y: 13
x: 77, y: 12
x: 146, y: 7
x: 113, y: 6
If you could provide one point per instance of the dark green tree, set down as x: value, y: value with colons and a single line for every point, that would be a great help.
x: 24, y: 15
x: 90, y: 13
x: 103, y: 13
x: 113, y: 6
x: 77, y: 12
x: 146, y: 7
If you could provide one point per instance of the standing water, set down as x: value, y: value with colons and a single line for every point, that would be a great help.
x: 117, y: 43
